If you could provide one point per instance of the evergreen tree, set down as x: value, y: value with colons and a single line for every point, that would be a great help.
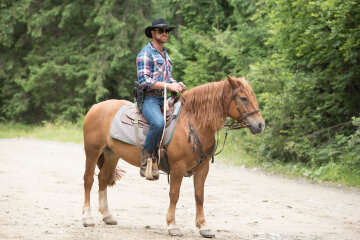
x: 60, y: 57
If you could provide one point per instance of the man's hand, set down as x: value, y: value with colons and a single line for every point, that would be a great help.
x: 176, y: 87
x: 183, y: 86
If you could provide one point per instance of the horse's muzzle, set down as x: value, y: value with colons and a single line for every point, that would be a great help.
x: 256, y: 128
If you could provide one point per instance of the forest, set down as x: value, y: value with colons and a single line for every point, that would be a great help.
x: 302, y: 58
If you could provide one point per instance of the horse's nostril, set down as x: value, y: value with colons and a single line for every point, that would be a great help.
x: 261, y: 125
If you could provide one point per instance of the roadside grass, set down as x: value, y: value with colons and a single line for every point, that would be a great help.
x: 333, y: 173
x: 236, y: 152
x: 62, y: 132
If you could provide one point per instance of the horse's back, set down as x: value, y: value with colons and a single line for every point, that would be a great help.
x: 99, y: 117
x: 107, y: 106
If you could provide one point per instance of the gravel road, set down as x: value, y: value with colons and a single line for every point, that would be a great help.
x: 41, y: 196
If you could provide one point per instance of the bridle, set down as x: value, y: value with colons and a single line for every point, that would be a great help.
x: 241, y: 121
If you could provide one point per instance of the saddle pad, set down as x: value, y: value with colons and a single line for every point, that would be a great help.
x: 126, y: 132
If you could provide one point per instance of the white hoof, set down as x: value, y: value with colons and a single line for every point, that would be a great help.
x: 87, y: 219
x: 110, y: 220
x: 206, y: 232
x: 174, y: 231
x: 88, y: 222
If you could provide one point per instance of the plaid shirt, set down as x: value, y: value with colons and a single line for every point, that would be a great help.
x: 152, y: 67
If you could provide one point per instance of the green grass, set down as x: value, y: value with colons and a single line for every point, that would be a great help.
x: 333, y: 173
x: 235, y: 154
x: 63, y: 132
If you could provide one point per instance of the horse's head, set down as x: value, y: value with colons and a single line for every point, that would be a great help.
x: 243, y: 105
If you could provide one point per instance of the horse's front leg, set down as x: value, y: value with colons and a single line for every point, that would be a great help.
x: 199, y: 180
x: 176, y: 175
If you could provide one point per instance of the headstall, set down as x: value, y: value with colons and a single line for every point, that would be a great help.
x: 241, y: 121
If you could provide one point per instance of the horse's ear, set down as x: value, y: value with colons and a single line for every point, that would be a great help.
x: 232, y: 82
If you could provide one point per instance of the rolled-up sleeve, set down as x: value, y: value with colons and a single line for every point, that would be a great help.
x: 144, y: 66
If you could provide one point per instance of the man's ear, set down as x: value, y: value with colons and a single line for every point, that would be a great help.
x: 232, y: 82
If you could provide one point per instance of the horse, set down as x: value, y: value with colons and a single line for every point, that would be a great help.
x: 204, y: 111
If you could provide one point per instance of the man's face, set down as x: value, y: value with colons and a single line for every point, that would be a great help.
x: 160, y: 35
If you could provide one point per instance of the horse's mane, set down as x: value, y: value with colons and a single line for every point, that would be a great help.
x: 208, y: 103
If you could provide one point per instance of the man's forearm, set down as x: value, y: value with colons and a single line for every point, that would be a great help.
x: 175, y: 87
x: 158, y: 85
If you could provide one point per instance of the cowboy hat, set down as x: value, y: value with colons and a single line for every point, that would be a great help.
x: 157, y: 23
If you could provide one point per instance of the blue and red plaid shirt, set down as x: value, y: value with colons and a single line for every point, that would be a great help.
x: 152, y: 67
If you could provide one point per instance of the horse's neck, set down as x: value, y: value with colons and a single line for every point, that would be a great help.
x: 207, y: 108
x: 209, y: 131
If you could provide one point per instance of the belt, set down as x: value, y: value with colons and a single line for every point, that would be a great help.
x: 153, y: 93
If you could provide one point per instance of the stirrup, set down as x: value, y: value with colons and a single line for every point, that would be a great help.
x: 152, y: 171
x: 155, y: 170
x: 148, y: 173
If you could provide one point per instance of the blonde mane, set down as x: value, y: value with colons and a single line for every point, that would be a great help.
x: 208, y: 103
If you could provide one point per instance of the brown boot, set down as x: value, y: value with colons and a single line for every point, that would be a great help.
x: 144, y: 158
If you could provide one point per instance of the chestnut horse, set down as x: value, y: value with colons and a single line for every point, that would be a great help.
x: 205, y: 107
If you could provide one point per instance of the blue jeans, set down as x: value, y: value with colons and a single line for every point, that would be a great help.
x: 152, y: 113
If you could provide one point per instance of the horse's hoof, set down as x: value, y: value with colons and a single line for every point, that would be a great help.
x: 175, y: 231
x: 110, y: 220
x: 207, y: 233
x: 88, y: 222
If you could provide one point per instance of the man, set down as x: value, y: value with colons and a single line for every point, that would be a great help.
x: 154, y: 70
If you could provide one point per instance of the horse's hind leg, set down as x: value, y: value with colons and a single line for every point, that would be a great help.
x: 200, y: 175
x: 107, y: 167
x: 92, y: 154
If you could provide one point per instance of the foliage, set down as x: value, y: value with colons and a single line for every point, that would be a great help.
x: 315, y: 70
x: 60, y: 57
x: 223, y: 39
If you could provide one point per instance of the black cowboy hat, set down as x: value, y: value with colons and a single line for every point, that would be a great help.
x: 157, y: 23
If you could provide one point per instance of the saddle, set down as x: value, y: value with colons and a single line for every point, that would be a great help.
x: 128, y: 117
x: 123, y: 125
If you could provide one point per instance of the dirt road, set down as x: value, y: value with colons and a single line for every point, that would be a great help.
x: 41, y: 196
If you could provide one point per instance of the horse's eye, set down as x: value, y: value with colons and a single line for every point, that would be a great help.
x: 244, y: 99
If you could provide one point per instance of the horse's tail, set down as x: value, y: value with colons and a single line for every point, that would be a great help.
x: 117, y: 173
